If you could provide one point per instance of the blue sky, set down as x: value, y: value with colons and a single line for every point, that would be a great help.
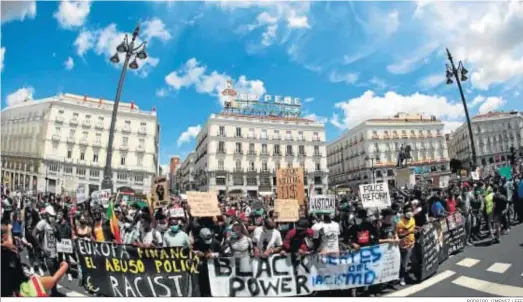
x: 347, y: 61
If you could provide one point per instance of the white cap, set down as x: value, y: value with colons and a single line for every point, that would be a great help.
x: 50, y: 210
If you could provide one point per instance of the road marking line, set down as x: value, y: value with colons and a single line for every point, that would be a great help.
x: 421, y: 286
x: 70, y: 293
x: 468, y: 262
x: 499, y: 267
x: 492, y: 288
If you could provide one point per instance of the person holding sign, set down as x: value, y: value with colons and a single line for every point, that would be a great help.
x: 405, y: 229
x: 267, y: 239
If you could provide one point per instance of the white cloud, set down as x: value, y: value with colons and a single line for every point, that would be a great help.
x: 17, y: 10
x: 369, y: 105
x: 335, y: 121
x: 414, y: 60
x: 316, y: 118
x: 298, y: 22
x: 449, y: 127
x: 189, y: 134
x: 476, y: 101
x: 104, y: 42
x: 155, y: 28
x: 432, y: 81
x: 2, y: 54
x: 194, y: 74
x: 491, y: 104
x: 308, y: 100
x: 269, y: 35
x: 84, y: 41
x: 486, y: 36
x: 20, y: 96
x: 349, y: 78
x: 378, y: 83
x: 72, y: 14
x: 162, y: 92
x: 69, y: 64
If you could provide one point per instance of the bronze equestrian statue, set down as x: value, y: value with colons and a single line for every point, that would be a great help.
x: 403, y: 156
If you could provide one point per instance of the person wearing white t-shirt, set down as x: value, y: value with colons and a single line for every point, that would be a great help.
x: 267, y: 239
x: 327, y: 232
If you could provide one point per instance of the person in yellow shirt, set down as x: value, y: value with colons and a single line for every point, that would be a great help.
x: 405, y: 228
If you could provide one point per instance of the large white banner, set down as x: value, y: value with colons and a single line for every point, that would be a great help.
x: 275, y: 276
x: 368, y: 266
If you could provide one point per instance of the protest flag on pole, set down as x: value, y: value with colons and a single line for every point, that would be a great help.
x: 113, y: 221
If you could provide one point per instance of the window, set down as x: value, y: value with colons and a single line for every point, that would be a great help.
x: 85, y: 134
x: 238, y: 148
x: 127, y: 124
x: 276, y: 149
x: 221, y: 147
x: 220, y: 181
x: 315, y: 136
x: 302, y: 165
x: 99, y: 138
x: 288, y: 135
x: 69, y: 153
x: 251, y: 166
x: 278, y: 165
x: 139, y: 161
x: 220, y: 165
x: 289, y: 165
x: 100, y: 119
x: 264, y: 166
x: 94, y: 173
x: 300, y: 135
x: 276, y: 134
x: 289, y: 150
x: 125, y: 140
x: 95, y: 157
x: 238, y: 165
x: 122, y: 160
x: 264, y: 148
x: 222, y: 131
x: 68, y: 170
x: 251, y: 181
x: 75, y: 115
x: 316, y: 150
x: 57, y: 130
x: 80, y: 171
x: 121, y: 176
x: 318, y: 167
x: 88, y: 117
x: 138, y: 178
x: 60, y: 112
x: 251, y: 148
x: 141, y: 142
x: 251, y: 133
x: 264, y: 134
x: 72, y: 133
x: 82, y: 155
x: 301, y: 150
x: 238, y: 132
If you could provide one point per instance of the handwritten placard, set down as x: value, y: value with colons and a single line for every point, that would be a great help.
x: 203, y: 204
x: 290, y: 184
x: 375, y: 195
x: 287, y: 209
x: 65, y: 246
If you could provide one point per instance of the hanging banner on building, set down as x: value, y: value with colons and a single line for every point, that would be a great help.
x: 117, y: 270
x: 367, y: 266
x: 289, y: 184
x: 274, y: 276
x: 322, y: 204
x: 375, y: 195
x: 160, y: 192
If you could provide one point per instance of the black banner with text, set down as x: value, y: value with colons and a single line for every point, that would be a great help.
x: 116, y: 270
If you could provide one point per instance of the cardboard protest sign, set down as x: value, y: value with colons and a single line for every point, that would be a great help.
x: 81, y: 196
x: 64, y: 246
x: 322, y: 204
x: 274, y: 276
x: 375, y: 195
x: 405, y: 178
x: 289, y: 184
x: 101, y: 197
x: 160, y: 192
x: 287, y: 209
x: 203, y: 204
x: 118, y: 270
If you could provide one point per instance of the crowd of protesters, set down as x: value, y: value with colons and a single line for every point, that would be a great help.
x: 249, y: 227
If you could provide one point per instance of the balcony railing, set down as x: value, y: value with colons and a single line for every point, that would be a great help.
x: 238, y: 170
x: 140, y: 149
x: 56, y: 137
x: 86, y: 123
x: 276, y: 153
x: 238, y: 152
x: 221, y: 151
x: 83, y: 141
x: 59, y: 119
x: 99, y: 125
x: 73, y: 121
x: 264, y: 153
x: 126, y: 129
x: 97, y: 143
x: 276, y: 137
x: 251, y: 153
x: 302, y: 154
x: 71, y: 140
x: 124, y: 147
x: 142, y: 130
x: 289, y: 154
x: 317, y: 154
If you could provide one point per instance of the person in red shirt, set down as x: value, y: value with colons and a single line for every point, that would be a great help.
x: 298, y: 240
x: 451, y: 203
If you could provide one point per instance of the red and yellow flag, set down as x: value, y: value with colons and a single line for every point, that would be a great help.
x: 113, y: 221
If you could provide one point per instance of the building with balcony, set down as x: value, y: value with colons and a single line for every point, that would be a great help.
x: 58, y: 144
x: 494, y: 134
x: 373, y: 147
x: 239, y: 154
x: 174, y: 165
x: 187, y: 174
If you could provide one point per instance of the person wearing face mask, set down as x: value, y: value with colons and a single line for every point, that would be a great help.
x: 268, y: 241
x: 64, y: 231
x: 101, y: 229
x: 150, y: 237
x: 328, y: 232
x: 130, y: 233
x: 363, y: 232
x: 405, y: 229
x: 238, y: 245
x: 161, y: 223
x: 47, y: 228
x: 176, y: 236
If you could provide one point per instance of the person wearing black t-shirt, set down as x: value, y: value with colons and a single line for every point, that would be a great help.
x: 363, y: 232
x: 206, y: 247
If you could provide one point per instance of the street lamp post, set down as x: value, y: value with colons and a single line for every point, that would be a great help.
x: 130, y: 51
x: 372, y: 159
x: 460, y: 75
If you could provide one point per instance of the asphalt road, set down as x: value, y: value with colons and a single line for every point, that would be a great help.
x: 484, y: 270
